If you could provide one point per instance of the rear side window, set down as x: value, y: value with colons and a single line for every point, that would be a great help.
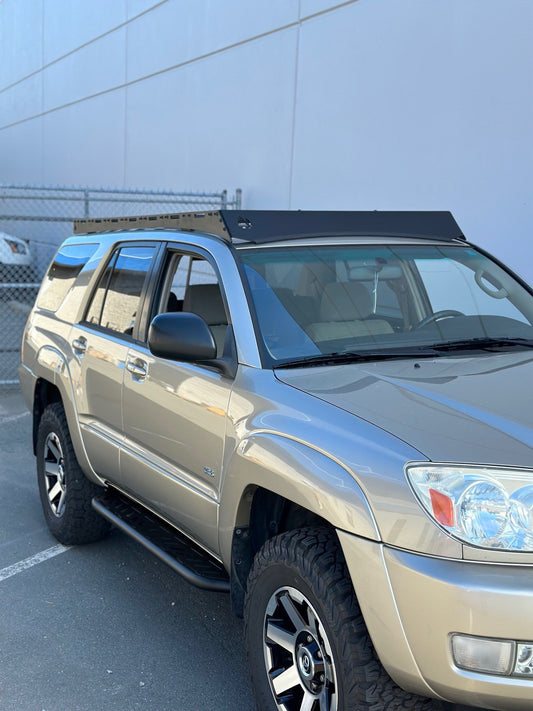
x: 61, y: 275
x: 115, y: 303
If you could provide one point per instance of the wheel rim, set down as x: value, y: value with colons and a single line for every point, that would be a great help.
x: 298, y: 656
x: 54, y: 474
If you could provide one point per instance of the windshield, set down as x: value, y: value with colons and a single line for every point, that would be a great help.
x: 365, y: 299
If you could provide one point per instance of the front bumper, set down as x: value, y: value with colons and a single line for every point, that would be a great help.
x: 413, y: 603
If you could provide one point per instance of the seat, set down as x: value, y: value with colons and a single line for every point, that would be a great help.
x: 344, y: 311
x: 303, y: 309
x: 173, y: 303
x: 205, y: 300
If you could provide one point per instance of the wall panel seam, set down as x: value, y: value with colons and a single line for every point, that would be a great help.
x: 125, y: 124
x: 295, y: 95
x: 187, y: 62
x: 81, y: 46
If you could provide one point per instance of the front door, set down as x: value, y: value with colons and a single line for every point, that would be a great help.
x: 175, y: 412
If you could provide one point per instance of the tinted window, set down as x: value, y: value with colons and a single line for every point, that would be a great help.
x: 62, y: 273
x: 115, y: 303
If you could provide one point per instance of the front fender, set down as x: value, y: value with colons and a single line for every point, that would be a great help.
x: 299, y: 473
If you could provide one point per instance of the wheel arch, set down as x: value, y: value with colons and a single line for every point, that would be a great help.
x: 276, y: 484
x: 45, y: 394
x: 53, y: 383
x: 66, y: 493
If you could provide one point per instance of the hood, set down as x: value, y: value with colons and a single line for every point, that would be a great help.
x: 452, y: 409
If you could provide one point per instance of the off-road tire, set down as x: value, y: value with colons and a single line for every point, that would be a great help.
x: 311, y: 562
x: 75, y: 522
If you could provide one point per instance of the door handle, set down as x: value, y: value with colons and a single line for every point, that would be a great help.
x: 137, y: 368
x: 79, y: 345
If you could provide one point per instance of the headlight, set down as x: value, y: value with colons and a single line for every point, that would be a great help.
x: 16, y: 247
x: 482, y: 506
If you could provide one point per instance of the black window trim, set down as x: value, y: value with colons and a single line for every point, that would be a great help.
x: 111, y: 266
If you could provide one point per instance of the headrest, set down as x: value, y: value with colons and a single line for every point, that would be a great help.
x: 357, y: 272
x: 345, y: 301
x: 205, y: 300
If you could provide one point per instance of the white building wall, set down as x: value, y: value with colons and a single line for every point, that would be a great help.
x: 367, y: 104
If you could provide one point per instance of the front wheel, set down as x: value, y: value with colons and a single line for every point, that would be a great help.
x: 307, y: 644
x: 65, y: 491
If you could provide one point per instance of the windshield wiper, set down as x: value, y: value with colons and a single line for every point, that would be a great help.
x: 431, y: 350
x: 484, y: 343
x: 322, y: 359
x: 358, y: 357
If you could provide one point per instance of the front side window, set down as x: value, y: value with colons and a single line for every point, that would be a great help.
x: 331, y: 300
x: 116, y: 300
x: 192, y: 286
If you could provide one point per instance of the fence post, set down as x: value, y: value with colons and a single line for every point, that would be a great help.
x: 86, y: 203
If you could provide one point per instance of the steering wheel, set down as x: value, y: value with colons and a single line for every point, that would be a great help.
x: 444, y: 313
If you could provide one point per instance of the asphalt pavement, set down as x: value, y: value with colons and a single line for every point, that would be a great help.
x: 104, y: 626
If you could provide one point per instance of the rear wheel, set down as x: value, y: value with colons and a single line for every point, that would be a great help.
x: 65, y: 491
x: 308, y: 648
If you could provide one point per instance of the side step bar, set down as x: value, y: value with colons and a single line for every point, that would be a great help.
x: 169, y: 545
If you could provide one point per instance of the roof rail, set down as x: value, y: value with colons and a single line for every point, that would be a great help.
x: 263, y: 226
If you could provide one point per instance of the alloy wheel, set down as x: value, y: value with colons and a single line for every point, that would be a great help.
x: 298, y: 655
x: 54, y: 474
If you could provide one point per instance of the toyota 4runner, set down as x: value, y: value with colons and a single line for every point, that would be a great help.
x: 327, y: 415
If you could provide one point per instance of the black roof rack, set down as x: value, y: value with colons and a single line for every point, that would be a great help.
x: 211, y: 222
x: 263, y: 226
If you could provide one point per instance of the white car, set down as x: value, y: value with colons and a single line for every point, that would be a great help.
x: 15, y: 260
x: 17, y: 275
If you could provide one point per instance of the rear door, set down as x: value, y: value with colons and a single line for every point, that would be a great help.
x: 100, y: 344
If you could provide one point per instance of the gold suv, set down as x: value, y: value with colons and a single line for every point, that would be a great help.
x: 326, y: 414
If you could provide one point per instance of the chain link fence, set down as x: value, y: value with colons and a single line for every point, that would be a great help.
x: 35, y: 219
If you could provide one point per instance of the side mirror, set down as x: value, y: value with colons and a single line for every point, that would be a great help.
x: 181, y: 336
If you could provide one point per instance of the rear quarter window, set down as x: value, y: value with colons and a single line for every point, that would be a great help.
x: 62, y: 273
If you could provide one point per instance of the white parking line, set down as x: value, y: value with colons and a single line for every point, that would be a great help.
x: 12, y: 418
x: 31, y: 561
